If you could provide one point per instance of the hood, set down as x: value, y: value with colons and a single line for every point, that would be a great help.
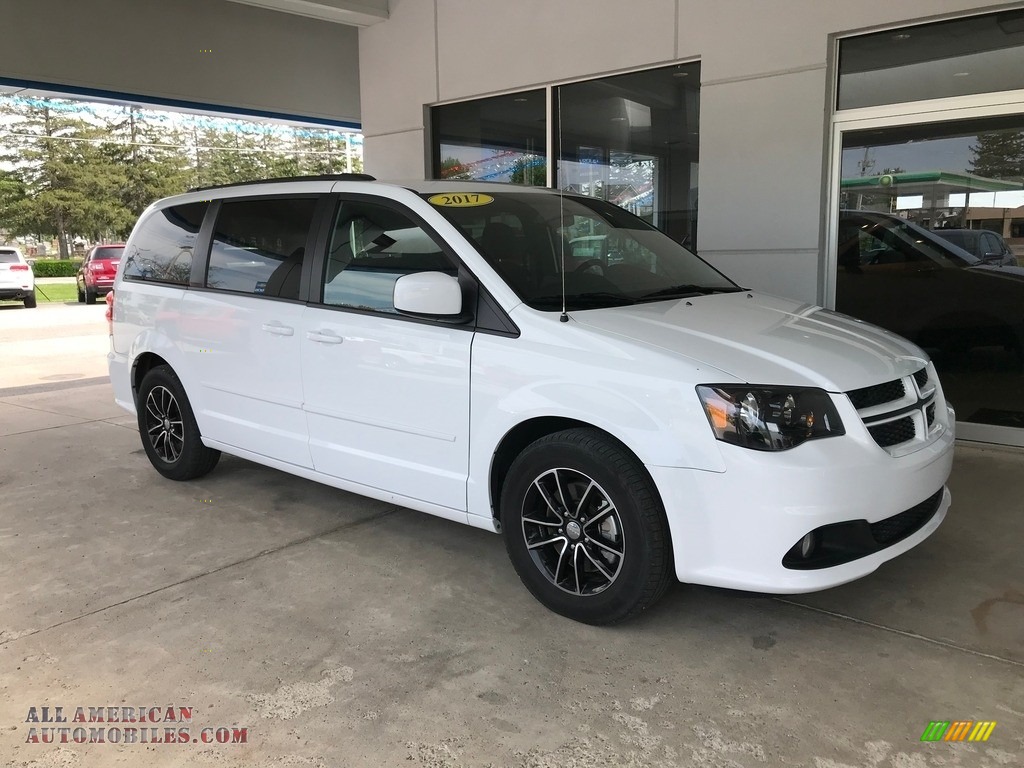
x: 762, y: 339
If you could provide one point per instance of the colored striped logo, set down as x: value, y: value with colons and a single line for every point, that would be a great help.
x: 958, y: 730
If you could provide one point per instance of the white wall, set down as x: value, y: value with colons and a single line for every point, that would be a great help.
x: 259, y: 59
x: 764, y: 103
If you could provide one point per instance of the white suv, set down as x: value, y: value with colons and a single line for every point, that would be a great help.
x: 17, y: 280
x: 548, y: 366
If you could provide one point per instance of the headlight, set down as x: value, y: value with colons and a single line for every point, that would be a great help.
x: 769, y: 418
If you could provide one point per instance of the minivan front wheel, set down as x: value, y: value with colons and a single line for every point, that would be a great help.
x: 168, y: 428
x: 585, y: 528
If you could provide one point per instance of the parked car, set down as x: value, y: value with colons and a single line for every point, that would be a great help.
x: 985, y: 244
x: 16, y: 278
x: 98, y: 270
x: 620, y: 424
x: 922, y: 286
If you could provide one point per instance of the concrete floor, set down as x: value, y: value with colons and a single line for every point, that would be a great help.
x: 343, y: 632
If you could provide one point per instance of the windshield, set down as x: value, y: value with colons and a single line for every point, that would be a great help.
x: 868, y: 238
x: 612, y: 258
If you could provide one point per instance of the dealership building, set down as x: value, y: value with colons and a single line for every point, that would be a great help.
x: 806, y: 148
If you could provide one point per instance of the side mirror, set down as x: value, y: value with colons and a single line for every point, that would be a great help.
x: 430, y: 295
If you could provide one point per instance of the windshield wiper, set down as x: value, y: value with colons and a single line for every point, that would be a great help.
x: 682, y: 291
x: 590, y: 299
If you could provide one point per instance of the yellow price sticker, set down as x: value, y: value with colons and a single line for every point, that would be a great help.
x: 460, y: 200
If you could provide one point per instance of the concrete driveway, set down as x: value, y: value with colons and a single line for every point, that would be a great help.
x: 329, y: 630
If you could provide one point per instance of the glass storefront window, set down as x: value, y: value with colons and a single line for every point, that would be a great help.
x: 931, y: 246
x: 629, y: 139
x: 633, y: 140
x: 977, y: 54
x: 502, y: 138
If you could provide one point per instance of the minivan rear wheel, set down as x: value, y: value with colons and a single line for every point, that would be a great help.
x: 585, y: 528
x: 168, y: 428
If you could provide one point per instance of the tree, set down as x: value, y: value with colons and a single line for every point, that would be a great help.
x: 999, y: 155
x: 56, y: 158
x: 529, y: 170
x: 15, y: 206
x: 71, y: 168
x: 153, y: 157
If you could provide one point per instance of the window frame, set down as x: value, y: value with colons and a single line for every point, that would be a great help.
x: 197, y: 249
x: 468, y: 282
x: 201, y: 267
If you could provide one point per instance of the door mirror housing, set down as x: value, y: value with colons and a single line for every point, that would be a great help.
x: 430, y: 295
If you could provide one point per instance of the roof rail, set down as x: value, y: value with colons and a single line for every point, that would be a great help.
x: 320, y: 177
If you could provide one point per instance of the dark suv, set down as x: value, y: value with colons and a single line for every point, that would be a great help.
x: 97, y: 273
x: 983, y: 243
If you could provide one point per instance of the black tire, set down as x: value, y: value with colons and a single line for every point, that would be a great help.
x: 81, y: 294
x: 168, y: 428
x: 30, y: 300
x: 616, y: 569
x: 90, y: 296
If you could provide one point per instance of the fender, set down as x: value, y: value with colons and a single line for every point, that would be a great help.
x: 674, y: 436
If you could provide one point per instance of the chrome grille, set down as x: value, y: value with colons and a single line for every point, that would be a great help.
x: 921, y: 377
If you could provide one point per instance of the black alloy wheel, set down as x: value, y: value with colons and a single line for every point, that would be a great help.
x: 585, y: 528
x: 168, y: 428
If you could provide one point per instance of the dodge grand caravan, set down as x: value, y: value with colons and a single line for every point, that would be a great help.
x: 457, y: 348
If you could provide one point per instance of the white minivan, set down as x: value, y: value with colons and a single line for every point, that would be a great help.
x: 458, y: 348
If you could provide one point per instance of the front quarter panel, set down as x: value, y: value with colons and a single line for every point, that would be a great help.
x: 644, y: 398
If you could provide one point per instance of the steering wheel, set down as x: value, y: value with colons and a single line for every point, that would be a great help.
x: 588, y: 264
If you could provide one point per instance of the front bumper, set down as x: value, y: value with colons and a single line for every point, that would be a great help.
x: 734, y: 528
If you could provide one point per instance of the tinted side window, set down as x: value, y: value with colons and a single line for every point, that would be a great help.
x: 371, y: 247
x: 259, y: 244
x: 161, y: 251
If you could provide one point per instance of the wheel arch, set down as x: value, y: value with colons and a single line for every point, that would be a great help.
x: 142, y: 365
x: 526, y: 432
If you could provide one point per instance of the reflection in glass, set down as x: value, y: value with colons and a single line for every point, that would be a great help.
x: 632, y: 140
x: 930, y: 239
x: 586, y: 253
x: 502, y: 138
x: 976, y: 54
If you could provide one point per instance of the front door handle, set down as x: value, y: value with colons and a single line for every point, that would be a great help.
x: 324, y: 338
x: 278, y: 330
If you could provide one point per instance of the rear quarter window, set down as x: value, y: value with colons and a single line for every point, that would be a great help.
x: 161, y: 249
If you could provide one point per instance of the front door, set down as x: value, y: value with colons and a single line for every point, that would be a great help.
x: 386, y: 397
